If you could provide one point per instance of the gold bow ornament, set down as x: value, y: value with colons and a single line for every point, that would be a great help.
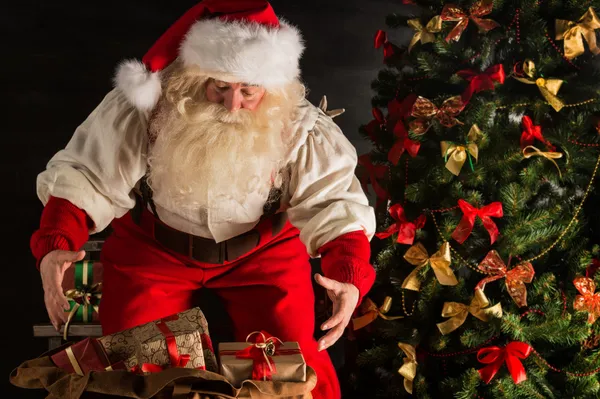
x: 426, y: 34
x: 453, y: 13
x: 589, y: 300
x: 531, y: 151
x: 455, y: 155
x: 84, y: 301
x: 548, y: 87
x: 515, y: 278
x: 409, y: 368
x: 573, y: 34
x: 373, y: 312
x: 440, y: 263
x: 458, y: 312
x: 425, y: 111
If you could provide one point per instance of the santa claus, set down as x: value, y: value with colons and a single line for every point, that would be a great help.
x: 213, y: 171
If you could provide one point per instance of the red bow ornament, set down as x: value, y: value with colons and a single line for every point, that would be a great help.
x: 531, y: 133
x: 464, y: 228
x: 452, y: 12
x: 424, y: 110
x: 403, y: 143
x: 406, y: 230
x: 515, y: 278
x: 495, y: 356
x: 381, y: 39
x: 377, y: 124
x: 262, y: 348
x: 481, y: 81
x: 374, y: 173
x: 589, y: 300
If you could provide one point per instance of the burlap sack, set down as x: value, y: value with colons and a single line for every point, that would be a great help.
x: 173, y: 383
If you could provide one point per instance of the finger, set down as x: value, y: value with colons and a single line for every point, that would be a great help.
x: 331, y: 337
x: 326, y: 283
x: 335, y: 319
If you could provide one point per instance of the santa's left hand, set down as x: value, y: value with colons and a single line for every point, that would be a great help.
x: 345, y: 298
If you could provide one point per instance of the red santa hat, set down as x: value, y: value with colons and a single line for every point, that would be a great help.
x: 240, y: 39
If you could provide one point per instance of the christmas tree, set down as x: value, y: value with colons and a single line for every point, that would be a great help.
x: 486, y: 146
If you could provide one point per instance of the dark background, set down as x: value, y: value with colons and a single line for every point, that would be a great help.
x: 58, y: 58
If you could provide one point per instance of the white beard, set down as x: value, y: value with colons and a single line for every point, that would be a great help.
x: 196, y: 164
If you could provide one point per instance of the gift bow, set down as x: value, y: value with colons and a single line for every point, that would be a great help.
x: 481, y: 81
x: 424, y: 110
x: 403, y: 143
x: 495, y: 356
x: 548, y: 87
x: 87, y: 298
x: 456, y: 155
x: 464, y: 228
x: 458, y: 312
x: 452, y: 12
x: 573, y: 34
x: 515, y: 278
x: 373, y: 312
x: 374, y: 172
x: 406, y: 230
x: 531, y: 133
x: 440, y: 263
x: 409, y: 368
x: 589, y: 300
x: 381, y: 39
x: 424, y: 33
x: 531, y: 151
x: 261, y: 351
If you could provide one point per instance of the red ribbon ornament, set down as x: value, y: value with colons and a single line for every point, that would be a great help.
x: 263, y: 366
x: 589, y: 300
x: 531, y: 133
x: 381, y: 39
x: 452, y: 12
x: 464, y: 228
x: 481, y: 81
x: 406, y: 230
x: 175, y: 359
x: 378, y: 123
x: 495, y: 356
x: 374, y: 173
x: 403, y: 143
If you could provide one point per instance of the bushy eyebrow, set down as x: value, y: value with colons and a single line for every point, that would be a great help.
x: 227, y: 83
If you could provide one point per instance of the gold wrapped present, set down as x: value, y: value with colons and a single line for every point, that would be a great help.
x: 261, y: 357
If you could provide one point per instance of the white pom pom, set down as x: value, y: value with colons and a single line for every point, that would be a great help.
x: 141, y: 87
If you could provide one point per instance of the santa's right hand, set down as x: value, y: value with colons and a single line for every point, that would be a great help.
x: 52, y: 270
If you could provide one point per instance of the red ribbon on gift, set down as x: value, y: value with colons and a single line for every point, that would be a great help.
x: 175, y: 359
x: 531, y: 133
x: 403, y: 143
x: 374, y: 172
x: 495, y: 356
x: 464, y: 228
x: 260, y: 351
x: 406, y: 230
x: 481, y: 81
x: 381, y: 39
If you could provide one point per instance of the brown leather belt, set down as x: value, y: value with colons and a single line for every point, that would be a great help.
x: 209, y: 251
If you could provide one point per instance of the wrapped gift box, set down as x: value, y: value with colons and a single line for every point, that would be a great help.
x: 241, y: 361
x: 175, y: 341
x: 85, y: 356
x: 82, y: 285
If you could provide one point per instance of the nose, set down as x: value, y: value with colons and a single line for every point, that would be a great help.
x: 233, y: 100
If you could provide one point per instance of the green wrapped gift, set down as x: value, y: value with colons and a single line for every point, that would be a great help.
x: 82, y: 285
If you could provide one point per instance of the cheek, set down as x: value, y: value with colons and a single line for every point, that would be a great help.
x: 252, y: 104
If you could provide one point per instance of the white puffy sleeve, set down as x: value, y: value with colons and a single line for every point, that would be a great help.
x: 326, y: 198
x: 102, y: 162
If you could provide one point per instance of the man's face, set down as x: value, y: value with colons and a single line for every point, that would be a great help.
x: 234, y: 96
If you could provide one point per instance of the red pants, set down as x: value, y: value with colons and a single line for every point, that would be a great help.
x: 268, y: 289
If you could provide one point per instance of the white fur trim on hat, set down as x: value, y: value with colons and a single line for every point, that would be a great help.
x: 141, y: 87
x: 251, y: 52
